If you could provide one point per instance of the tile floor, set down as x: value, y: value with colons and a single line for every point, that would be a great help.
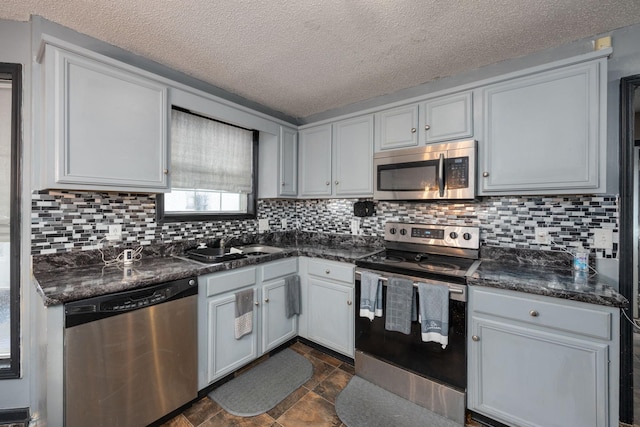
x: 310, y: 405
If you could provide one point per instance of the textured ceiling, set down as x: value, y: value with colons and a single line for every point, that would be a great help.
x: 303, y: 57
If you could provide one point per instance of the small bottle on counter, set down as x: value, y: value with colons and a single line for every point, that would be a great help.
x: 581, y: 259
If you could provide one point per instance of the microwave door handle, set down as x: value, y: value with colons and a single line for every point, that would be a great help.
x: 441, y: 175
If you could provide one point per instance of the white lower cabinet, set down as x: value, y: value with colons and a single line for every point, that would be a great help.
x: 276, y: 327
x: 219, y: 352
x: 541, y: 361
x: 329, y: 315
x: 225, y: 354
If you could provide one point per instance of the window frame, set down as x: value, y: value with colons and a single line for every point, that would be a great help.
x: 14, y: 72
x: 252, y: 198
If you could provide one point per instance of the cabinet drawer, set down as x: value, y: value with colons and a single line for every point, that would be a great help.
x: 217, y: 283
x: 541, y: 311
x: 332, y: 270
x: 281, y: 268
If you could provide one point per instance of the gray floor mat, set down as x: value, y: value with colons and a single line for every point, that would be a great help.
x: 264, y: 386
x: 363, y: 404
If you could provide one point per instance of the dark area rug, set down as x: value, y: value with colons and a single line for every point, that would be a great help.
x: 363, y: 404
x: 261, y: 388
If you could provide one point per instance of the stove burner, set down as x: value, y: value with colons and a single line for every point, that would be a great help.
x: 392, y: 258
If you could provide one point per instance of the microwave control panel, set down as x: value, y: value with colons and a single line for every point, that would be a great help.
x: 457, y: 172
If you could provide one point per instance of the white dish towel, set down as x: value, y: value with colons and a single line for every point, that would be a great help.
x: 370, y: 295
x: 434, y: 312
x: 243, y: 322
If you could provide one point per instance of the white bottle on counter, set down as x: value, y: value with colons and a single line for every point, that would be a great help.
x: 581, y: 259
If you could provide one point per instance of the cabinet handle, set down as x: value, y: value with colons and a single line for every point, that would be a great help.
x: 328, y: 183
x: 475, y: 338
x: 337, y: 182
x: 256, y: 303
x: 485, y: 174
x: 165, y: 171
x: 534, y: 313
x: 327, y: 271
x: 413, y: 130
x: 266, y: 300
x: 349, y: 302
x: 283, y: 183
x: 427, y: 127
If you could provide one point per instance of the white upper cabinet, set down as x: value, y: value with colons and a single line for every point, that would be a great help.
x: 353, y: 157
x: 288, y: 162
x: 545, y: 133
x: 397, y: 128
x: 315, y: 161
x: 278, y: 164
x: 448, y: 118
x: 105, y: 127
x: 337, y: 159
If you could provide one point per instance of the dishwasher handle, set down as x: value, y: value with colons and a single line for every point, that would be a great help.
x: 96, y: 308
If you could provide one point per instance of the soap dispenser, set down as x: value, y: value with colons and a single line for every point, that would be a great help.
x: 581, y: 259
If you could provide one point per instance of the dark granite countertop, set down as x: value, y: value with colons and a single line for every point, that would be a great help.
x: 542, y: 273
x: 69, y: 277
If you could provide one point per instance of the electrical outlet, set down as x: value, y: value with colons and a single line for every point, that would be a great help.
x: 115, y: 232
x: 355, y: 227
x: 542, y: 236
x: 263, y: 225
x: 602, y: 238
x: 283, y: 223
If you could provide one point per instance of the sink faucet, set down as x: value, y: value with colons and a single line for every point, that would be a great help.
x: 225, y: 240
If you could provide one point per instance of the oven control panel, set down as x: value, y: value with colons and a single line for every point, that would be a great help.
x: 454, y: 236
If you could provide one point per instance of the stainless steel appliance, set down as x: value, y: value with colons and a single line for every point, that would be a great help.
x: 422, y: 372
x: 130, y: 358
x: 434, y: 172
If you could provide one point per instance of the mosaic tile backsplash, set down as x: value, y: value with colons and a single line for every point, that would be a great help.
x: 67, y: 221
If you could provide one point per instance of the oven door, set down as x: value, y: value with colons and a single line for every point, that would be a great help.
x: 443, y: 171
x: 409, y: 352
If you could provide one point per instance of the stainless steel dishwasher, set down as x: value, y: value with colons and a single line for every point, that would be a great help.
x: 130, y: 357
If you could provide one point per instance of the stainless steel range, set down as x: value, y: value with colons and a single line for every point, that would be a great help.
x: 423, y: 372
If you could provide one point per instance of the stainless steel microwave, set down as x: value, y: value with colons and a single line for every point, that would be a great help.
x: 434, y: 172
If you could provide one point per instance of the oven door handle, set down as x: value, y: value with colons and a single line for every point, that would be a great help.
x: 452, y: 290
x: 441, y: 175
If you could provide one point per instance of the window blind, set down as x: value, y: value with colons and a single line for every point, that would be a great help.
x: 209, y: 155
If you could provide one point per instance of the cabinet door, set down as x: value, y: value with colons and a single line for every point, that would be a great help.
x: 276, y: 328
x: 288, y: 168
x: 353, y: 157
x: 330, y: 321
x: 225, y: 352
x: 397, y: 128
x: 109, y: 126
x: 525, y: 377
x: 315, y: 161
x: 448, y: 118
x: 545, y: 132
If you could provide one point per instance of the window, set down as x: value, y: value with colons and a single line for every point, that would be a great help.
x: 213, y: 170
x: 10, y: 122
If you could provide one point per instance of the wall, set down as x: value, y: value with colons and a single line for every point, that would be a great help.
x: 14, y: 48
x: 67, y: 221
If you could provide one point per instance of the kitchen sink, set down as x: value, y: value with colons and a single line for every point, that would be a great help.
x: 258, y: 250
x: 213, y: 255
